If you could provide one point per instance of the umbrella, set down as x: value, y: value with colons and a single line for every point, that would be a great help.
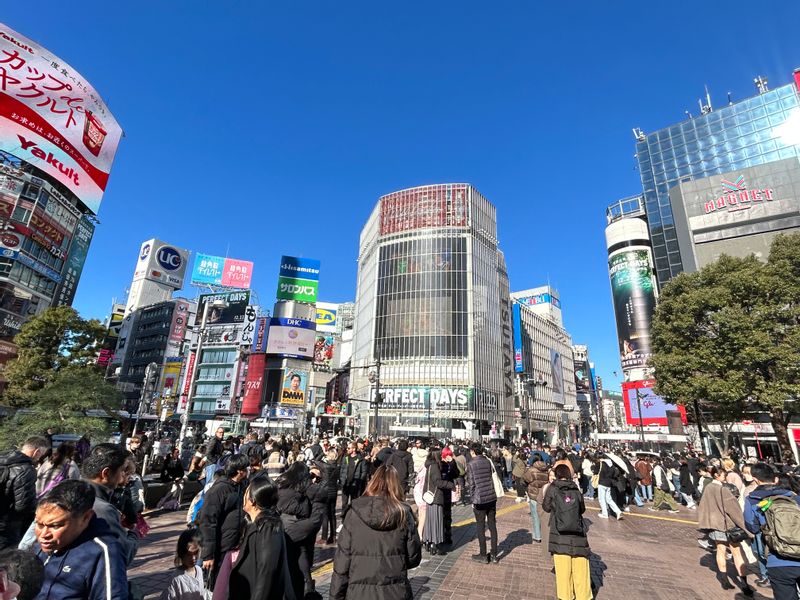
x: 618, y: 461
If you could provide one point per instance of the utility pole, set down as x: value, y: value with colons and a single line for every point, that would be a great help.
x: 375, y: 377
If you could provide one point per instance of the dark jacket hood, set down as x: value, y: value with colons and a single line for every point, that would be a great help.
x: 372, y: 510
x: 564, y: 485
x: 14, y: 457
x: 765, y: 491
x: 540, y: 465
x: 402, y: 453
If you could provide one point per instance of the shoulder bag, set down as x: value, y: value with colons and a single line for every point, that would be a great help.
x: 734, y: 534
x: 428, y: 496
x: 499, y: 490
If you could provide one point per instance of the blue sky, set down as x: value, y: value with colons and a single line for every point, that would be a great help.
x: 262, y: 129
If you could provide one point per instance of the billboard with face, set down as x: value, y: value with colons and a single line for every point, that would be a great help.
x: 291, y: 337
x: 52, y: 117
x: 293, y: 389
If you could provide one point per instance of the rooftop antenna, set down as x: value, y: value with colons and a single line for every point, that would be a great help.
x: 638, y: 134
x: 761, y: 84
x: 730, y: 99
x: 688, y: 114
x: 708, y: 99
x: 705, y: 108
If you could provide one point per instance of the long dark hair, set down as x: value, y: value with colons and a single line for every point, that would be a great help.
x: 296, y: 477
x: 386, y: 484
x: 434, y: 456
x: 64, y: 452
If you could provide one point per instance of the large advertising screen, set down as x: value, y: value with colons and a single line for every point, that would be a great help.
x: 291, y: 337
x: 51, y: 117
x: 253, y: 385
x: 633, y: 289
x: 230, y: 308
x: 422, y: 398
x: 654, y: 408
x: 324, y: 346
x: 444, y: 205
x: 557, y: 373
x: 298, y: 279
x: 293, y: 388
x: 217, y: 270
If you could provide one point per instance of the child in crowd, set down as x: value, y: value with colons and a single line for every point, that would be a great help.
x: 188, y: 582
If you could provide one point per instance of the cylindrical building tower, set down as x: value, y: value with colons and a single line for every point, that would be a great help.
x: 429, y: 311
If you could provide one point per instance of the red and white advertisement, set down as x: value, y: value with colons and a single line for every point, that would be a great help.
x: 187, y: 379
x: 51, y: 117
x: 237, y: 273
x: 180, y: 318
x: 445, y: 205
x: 644, y: 406
x: 251, y: 401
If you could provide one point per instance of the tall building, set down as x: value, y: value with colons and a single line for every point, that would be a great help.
x: 56, y: 153
x: 726, y: 180
x: 543, y: 301
x: 432, y: 321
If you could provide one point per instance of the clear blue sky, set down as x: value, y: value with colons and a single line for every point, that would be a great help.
x: 264, y: 129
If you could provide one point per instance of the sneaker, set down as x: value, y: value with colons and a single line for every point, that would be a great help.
x: 653, y: 509
x: 602, y: 516
x: 518, y: 500
x: 762, y: 582
x: 627, y: 509
x: 339, y: 528
x: 493, y: 558
x: 619, y: 517
x: 484, y: 558
x: 693, y: 507
x: 673, y: 511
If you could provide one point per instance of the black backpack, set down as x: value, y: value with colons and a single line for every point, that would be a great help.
x: 566, y: 510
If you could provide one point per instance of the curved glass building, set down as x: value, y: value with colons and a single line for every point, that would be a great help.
x: 433, y: 325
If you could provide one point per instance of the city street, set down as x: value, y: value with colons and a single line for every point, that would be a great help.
x: 644, y: 556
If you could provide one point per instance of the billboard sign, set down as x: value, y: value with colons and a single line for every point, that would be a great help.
x: 633, y: 290
x: 227, y: 272
x: 52, y: 118
x: 326, y: 316
x: 232, y: 309
x: 76, y: 258
x: 180, y: 321
x: 445, y: 205
x: 170, y: 375
x: 536, y: 299
x: 291, y: 337
x: 293, y: 389
x: 161, y: 262
x: 249, y: 326
x: 323, y: 350
x: 557, y: 373
x: 519, y: 365
x: 654, y: 408
x: 260, y: 336
x: 437, y: 398
x: 298, y: 279
x: 253, y: 384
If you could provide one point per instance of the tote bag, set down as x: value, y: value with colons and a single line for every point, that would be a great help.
x: 499, y: 490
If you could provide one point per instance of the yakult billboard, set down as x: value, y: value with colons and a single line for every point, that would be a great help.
x: 51, y: 117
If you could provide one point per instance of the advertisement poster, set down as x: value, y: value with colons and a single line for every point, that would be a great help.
x: 633, y: 290
x: 249, y: 326
x: 254, y: 384
x: 51, y: 117
x: 260, y: 335
x: 326, y: 316
x: 291, y: 337
x: 180, y: 321
x: 293, y: 389
x: 231, y: 309
x: 323, y: 350
x: 654, y: 408
x: 519, y: 365
x: 227, y: 272
x: 161, y: 262
x: 298, y: 279
x: 557, y: 372
x: 170, y: 376
x: 75, y: 261
x: 444, y: 205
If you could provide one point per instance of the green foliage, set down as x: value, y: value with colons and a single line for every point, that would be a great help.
x: 728, y: 337
x: 49, y: 342
x: 63, y: 404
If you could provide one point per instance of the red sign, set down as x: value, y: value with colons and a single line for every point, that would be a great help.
x: 251, y: 401
x: 47, y: 227
x: 187, y: 380
x: 736, y: 196
x: 654, y: 408
x: 180, y: 318
x: 444, y: 205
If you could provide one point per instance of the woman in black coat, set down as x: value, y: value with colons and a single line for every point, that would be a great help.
x: 261, y: 569
x: 433, y: 533
x: 378, y: 543
x: 329, y: 480
x: 296, y: 513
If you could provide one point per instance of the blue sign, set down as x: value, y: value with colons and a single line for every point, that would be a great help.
x: 299, y: 268
x: 519, y: 365
x: 208, y: 269
x: 39, y: 267
x: 169, y: 258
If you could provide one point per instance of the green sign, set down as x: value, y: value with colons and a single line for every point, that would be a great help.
x: 300, y: 290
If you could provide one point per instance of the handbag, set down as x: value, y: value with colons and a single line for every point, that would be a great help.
x: 734, y: 534
x: 428, y: 496
x: 499, y: 490
x: 595, y: 480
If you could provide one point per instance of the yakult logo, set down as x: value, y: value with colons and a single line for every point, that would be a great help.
x: 169, y: 258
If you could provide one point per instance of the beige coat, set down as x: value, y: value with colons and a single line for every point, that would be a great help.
x: 719, y: 509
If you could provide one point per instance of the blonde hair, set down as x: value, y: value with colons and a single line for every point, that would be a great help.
x: 331, y: 455
x: 728, y: 464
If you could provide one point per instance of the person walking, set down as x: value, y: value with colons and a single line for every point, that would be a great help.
x: 352, y: 476
x: 296, y: 512
x: 662, y: 489
x: 687, y: 487
x: 18, y: 494
x: 608, y: 476
x: 484, y: 501
x: 645, y: 472
x: 329, y: 480
x: 377, y: 545
x: 721, y: 518
x: 435, y: 485
x: 567, y: 540
x: 536, y: 476
x: 517, y: 471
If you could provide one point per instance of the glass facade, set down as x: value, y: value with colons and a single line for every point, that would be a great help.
x: 741, y: 135
x: 422, y: 299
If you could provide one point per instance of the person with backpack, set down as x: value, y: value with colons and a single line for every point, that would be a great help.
x: 720, y: 517
x: 567, y: 540
x: 403, y: 463
x: 772, y: 514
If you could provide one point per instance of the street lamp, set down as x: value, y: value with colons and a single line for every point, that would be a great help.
x: 375, y: 377
x: 218, y: 303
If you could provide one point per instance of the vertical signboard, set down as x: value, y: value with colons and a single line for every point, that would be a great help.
x: 180, y: 319
x: 76, y: 258
x: 249, y: 325
x: 519, y: 365
x: 557, y: 373
x: 633, y: 289
x: 260, y: 337
x: 298, y: 279
x: 254, y: 384
x: 293, y: 388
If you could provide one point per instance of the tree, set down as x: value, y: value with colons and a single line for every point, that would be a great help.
x: 727, y: 337
x: 63, y: 404
x: 47, y: 343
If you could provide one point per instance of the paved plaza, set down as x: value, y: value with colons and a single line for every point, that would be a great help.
x: 644, y: 556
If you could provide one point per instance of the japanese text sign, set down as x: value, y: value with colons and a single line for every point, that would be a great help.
x: 51, y: 117
x: 227, y: 272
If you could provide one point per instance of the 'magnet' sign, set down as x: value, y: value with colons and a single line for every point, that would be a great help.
x: 736, y: 196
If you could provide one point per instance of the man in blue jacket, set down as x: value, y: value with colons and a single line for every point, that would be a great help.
x: 784, y: 573
x: 82, y: 558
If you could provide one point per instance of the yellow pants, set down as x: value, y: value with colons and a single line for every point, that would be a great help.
x: 573, y: 580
